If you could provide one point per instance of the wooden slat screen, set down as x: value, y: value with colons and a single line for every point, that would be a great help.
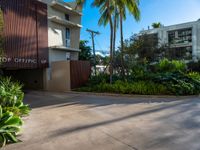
x: 25, y: 33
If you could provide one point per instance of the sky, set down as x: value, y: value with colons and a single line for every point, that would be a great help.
x: 168, y: 12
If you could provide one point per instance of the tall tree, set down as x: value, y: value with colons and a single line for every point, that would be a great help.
x: 116, y: 24
x: 132, y: 7
x: 106, y: 9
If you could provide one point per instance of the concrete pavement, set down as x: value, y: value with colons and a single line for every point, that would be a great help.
x: 64, y: 121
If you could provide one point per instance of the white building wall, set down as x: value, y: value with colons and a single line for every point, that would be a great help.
x: 163, y: 35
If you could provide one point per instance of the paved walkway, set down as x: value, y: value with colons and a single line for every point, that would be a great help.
x: 61, y: 121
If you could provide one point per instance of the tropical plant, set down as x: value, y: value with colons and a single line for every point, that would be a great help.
x: 111, y: 11
x: 132, y: 7
x: 10, y: 125
x: 11, y: 97
x: 156, y: 25
x: 10, y: 92
x: 166, y: 65
x: 194, y: 75
x: 106, y: 8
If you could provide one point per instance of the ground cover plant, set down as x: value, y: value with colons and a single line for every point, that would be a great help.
x: 12, y: 109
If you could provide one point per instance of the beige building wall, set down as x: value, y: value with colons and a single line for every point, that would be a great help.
x: 57, y: 76
x: 60, y: 77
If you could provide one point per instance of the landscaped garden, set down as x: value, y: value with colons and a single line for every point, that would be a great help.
x: 164, y: 78
x: 147, y: 69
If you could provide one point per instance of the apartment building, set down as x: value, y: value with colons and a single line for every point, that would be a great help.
x: 183, y: 39
x: 41, y: 36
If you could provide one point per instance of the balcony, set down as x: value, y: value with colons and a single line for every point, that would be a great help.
x: 63, y: 48
x: 185, y: 44
x: 64, y: 8
x: 64, y: 22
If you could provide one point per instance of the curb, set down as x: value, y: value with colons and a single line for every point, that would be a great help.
x: 112, y: 94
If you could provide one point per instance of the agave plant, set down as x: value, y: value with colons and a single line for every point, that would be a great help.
x: 10, y: 125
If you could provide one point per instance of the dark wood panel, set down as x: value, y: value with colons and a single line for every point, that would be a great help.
x: 79, y: 73
x: 25, y: 33
x: 42, y: 31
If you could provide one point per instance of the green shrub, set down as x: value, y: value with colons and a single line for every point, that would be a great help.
x: 9, y: 127
x: 166, y: 65
x: 178, y: 83
x: 10, y: 92
x: 11, y: 97
x: 121, y: 87
x: 194, y: 75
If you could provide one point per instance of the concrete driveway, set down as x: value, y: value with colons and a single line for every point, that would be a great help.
x: 64, y: 121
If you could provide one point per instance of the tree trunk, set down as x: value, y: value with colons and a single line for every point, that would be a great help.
x: 114, y: 34
x: 111, y: 51
x: 122, y: 45
x: 111, y: 42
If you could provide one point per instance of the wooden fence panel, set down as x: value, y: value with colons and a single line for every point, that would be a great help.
x: 79, y: 73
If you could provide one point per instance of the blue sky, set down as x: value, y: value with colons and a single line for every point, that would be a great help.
x: 167, y: 12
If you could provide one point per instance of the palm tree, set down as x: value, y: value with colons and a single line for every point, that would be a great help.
x: 106, y: 10
x: 132, y: 7
x: 116, y: 24
x: 156, y: 25
x: 111, y: 12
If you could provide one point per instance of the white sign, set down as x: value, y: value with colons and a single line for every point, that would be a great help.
x: 21, y: 60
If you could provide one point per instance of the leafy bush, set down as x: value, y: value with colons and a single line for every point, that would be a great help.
x: 9, y: 126
x: 178, y: 83
x: 11, y: 97
x: 140, y: 87
x: 174, y: 83
x: 194, y: 75
x: 166, y: 65
x: 10, y: 92
x: 165, y: 77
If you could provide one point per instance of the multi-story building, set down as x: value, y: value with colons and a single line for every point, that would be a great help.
x: 182, y: 38
x: 40, y: 36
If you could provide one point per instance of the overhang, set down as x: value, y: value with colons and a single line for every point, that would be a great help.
x: 63, y: 48
x: 64, y: 22
x: 64, y: 8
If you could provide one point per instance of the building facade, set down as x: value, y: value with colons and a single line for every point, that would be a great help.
x: 184, y: 38
x: 41, y: 36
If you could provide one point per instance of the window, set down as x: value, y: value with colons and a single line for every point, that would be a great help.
x: 181, y: 53
x: 67, y: 37
x: 67, y: 56
x: 67, y: 17
x: 180, y: 36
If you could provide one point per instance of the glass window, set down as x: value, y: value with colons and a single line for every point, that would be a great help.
x: 67, y: 17
x: 180, y: 36
x: 67, y: 36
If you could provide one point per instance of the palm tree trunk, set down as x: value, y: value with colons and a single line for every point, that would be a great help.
x: 122, y: 45
x: 111, y: 52
x: 111, y: 43
x: 115, y: 30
